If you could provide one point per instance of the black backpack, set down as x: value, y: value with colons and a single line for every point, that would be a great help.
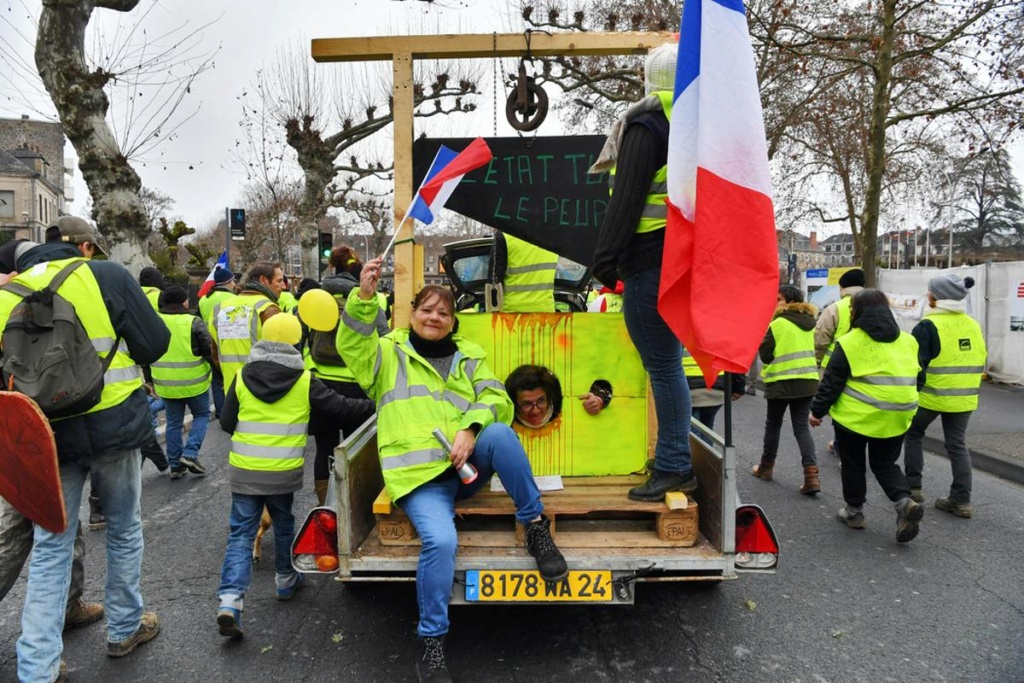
x: 322, y: 347
x: 47, y: 354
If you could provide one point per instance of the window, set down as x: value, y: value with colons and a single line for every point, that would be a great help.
x: 6, y: 203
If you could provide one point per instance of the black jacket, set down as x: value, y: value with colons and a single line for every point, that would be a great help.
x: 801, y: 315
x: 126, y: 425
x: 881, y: 326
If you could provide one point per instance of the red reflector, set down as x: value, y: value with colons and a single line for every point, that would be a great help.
x: 753, y: 534
x: 319, y: 534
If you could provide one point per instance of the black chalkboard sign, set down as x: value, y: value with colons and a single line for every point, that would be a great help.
x: 537, y: 189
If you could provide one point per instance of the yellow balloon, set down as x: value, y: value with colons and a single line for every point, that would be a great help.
x: 319, y: 310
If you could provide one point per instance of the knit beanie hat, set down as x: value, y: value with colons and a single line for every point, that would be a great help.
x: 174, y: 296
x: 852, y: 278
x: 950, y: 286
x: 151, y: 277
x: 283, y: 328
x: 222, y: 276
x: 306, y: 284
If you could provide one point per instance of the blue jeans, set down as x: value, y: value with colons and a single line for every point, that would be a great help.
x: 217, y: 388
x: 706, y: 416
x: 431, y: 507
x: 175, y: 407
x: 156, y: 404
x: 236, y: 572
x: 42, y: 620
x: 662, y: 355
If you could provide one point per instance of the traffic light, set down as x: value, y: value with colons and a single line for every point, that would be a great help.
x: 326, y: 244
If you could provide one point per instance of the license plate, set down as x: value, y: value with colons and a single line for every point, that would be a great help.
x: 528, y: 586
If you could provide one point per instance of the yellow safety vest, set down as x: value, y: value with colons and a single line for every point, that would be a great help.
x: 236, y: 326
x: 690, y: 367
x: 794, y: 353
x: 337, y: 373
x: 842, y: 327
x: 271, y: 437
x: 529, y: 285
x: 82, y: 291
x: 655, y: 213
x: 287, y: 302
x: 880, y: 396
x: 953, y: 378
x: 207, y: 303
x: 153, y: 294
x: 180, y: 373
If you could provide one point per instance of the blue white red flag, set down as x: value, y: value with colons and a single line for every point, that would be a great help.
x: 445, y: 173
x: 720, y: 275
x: 222, y: 262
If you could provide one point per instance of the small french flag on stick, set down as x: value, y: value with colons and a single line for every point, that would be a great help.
x: 222, y: 262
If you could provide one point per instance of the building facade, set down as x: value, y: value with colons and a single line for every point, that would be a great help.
x: 32, y: 177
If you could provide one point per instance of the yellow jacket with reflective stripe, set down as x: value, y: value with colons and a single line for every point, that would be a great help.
x: 953, y: 378
x: 336, y: 373
x: 880, y: 396
x: 690, y: 367
x: 287, y: 302
x: 412, y: 399
x: 529, y: 285
x: 207, y: 303
x: 843, y: 311
x: 794, y: 353
x: 81, y: 291
x: 180, y: 373
x: 655, y: 213
x: 271, y: 437
x: 236, y: 326
x: 153, y: 294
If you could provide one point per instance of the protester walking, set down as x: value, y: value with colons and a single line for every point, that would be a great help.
x: 223, y: 289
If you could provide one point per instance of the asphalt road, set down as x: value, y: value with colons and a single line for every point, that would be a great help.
x: 844, y: 606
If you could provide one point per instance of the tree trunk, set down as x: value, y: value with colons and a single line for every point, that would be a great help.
x: 82, y: 106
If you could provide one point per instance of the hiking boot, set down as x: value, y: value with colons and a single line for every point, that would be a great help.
x: 854, y: 520
x: 812, y: 484
x: 917, y: 495
x: 148, y: 629
x: 959, y: 509
x: 654, y: 489
x: 908, y: 518
x: 193, y: 466
x: 81, y: 613
x: 431, y: 666
x: 178, y: 471
x: 550, y: 562
x: 97, y: 521
x: 289, y: 592
x: 229, y: 622
x: 763, y: 470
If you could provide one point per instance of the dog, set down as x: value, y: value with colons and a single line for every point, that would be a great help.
x: 257, y: 547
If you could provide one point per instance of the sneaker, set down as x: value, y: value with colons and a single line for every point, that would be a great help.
x: 148, y: 629
x: 539, y: 543
x: 959, y: 509
x: 193, y: 466
x: 660, y: 483
x: 178, y: 471
x: 81, y: 613
x: 908, y: 519
x: 854, y: 520
x: 431, y: 666
x: 289, y: 592
x: 917, y: 495
x: 229, y: 622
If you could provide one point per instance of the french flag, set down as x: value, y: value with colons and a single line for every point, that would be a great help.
x: 445, y: 173
x: 222, y: 262
x: 720, y: 274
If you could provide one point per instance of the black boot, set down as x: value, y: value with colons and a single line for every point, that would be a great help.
x: 96, y: 519
x: 152, y: 450
x: 654, y: 489
x: 539, y: 543
x: 431, y: 666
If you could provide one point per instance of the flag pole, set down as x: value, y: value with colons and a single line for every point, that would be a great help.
x: 405, y: 217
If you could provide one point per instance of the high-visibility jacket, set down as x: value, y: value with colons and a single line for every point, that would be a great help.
x: 153, y: 294
x: 236, y: 326
x: 794, y: 353
x: 690, y: 367
x: 83, y: 292
x: 287, y: 302
x: 207, y: 303
x: 953, y: 378
x: 655, y: 213
x: 412, y: 398
x: 337, y: 373
x: 529, y: 285
x: 180, y: 373
x: 842, y: 327
x: 271, y: 437
x: 880, y: 396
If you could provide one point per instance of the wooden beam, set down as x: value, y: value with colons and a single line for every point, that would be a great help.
x: 455, y: 46
x: 405, y: 277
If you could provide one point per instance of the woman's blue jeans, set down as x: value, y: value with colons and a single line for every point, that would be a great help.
x: 662, y: 355
x: 431, y: 507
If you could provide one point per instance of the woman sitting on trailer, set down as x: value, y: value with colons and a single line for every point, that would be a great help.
x: 426, y: 378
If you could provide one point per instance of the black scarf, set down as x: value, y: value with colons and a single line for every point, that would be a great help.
x: 257, y: 286
x: 433, y: 349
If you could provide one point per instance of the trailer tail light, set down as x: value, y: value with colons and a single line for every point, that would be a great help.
x: 757, y: 548
x: 315, y: 549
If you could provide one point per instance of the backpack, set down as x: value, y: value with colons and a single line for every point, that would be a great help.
x: 322, y: 347
x: 47, y: 354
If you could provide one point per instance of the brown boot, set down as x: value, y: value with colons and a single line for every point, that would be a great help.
x: 81, y: 613
x: 763, y: 470
x: 812, y: 484
x: 320, y: 486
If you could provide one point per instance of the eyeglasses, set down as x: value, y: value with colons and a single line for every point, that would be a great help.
x: 541, y: 403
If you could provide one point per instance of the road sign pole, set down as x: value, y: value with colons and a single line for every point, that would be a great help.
x: 227, y: 236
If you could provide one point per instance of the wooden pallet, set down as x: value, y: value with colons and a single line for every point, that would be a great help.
x: 590, y: 512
